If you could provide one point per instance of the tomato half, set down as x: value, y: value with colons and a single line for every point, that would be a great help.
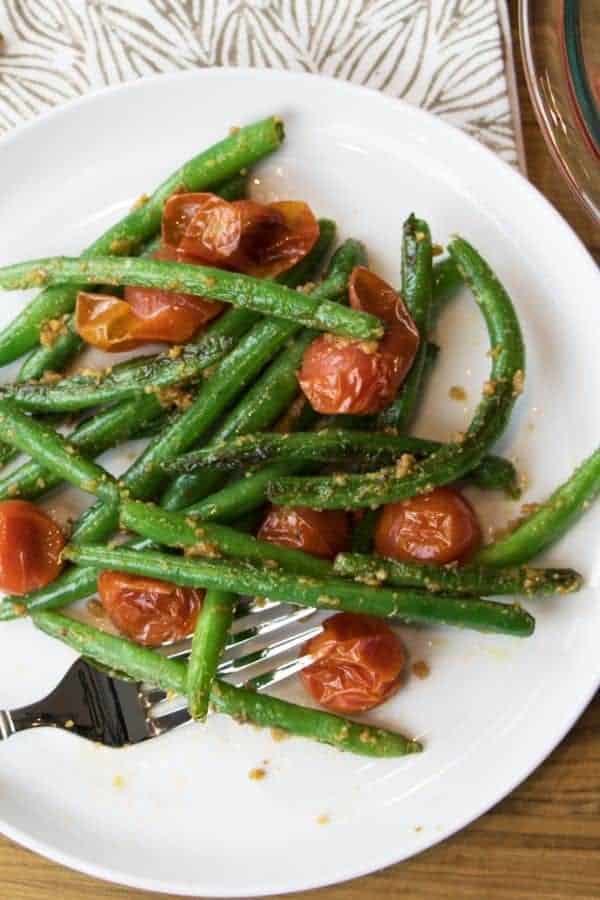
x: 357, y: 377
x: 321, y: 533
x: 30, y: 546
x: 255, y: 238
x: 106, y: 322
x: 147, y: 610
x: 358, y: 663
x: 438, y: 527
x: 282, y: 246
x: 179, y: 212
x: 167, y: 315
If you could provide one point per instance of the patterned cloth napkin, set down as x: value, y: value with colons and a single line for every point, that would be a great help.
x: 451, y: 57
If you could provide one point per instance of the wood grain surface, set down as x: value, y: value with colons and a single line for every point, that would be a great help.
x: 541, y: 842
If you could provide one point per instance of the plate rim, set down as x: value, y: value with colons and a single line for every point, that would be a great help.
x: 16, y: 133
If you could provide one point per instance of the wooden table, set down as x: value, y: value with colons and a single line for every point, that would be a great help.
x: 543, y: 841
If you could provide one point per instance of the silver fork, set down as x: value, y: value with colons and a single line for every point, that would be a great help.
x: 115, y: 712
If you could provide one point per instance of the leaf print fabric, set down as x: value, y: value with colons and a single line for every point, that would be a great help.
x: 444, y: 55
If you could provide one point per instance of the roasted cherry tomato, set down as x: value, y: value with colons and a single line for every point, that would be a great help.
x: 323, y: 533
x: 358, y: 663
x: 358, y: 377
x: 255, y: 238
x: 30, y: 547
x: 106, y: 322
x: 167, y: 315
x: 146, y: 314
x: 149, y: 611
x: 438, y: 527
x: 285, y: 245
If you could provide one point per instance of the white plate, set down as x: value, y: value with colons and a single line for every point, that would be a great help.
x: 187, y: 819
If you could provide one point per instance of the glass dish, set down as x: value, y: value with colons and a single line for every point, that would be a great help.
x: 560, y: 43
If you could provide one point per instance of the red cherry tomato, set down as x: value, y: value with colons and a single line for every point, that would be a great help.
x: 323, y: 533
x: 255, y: 238
x: 343, y: 376
x: 149, y: 611
x: 358, y: 663
x: 439, y: 527
x: 30, y: 547
x: 280, y: 247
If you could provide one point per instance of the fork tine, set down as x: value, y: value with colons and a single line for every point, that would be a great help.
x: 170, y: 720
x: 238, y: 664
x: 285, y: 670
x: 266, y: 627
x: 151, y: 695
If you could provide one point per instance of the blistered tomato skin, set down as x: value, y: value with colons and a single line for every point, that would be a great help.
x: 340, y: 376
x: 358, y: 663
x: 105, y: 322
x: 322, y: 534
x: 149, y: 611
x: 144, y: 315
x: 170, y: 316
x: 438, y: 527
x: 245, y: 236
x: 30, y: 546
x: 179, y: 212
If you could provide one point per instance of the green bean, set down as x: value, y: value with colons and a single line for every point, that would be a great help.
x: 497, y: 474
x: 265, y: 297
x: 54, y: 452
x: 467, y: 579
x: 364, y: 532
x: 173, y: 529
x: 210, y: 635
x: 406, y: 402
x: 453, y: 460
x: 92, y: 437
x: 324, y: 593
x: 232, y: 325
x: 145, y: 477
x: 447, y: 281
x: 272, y: 393
x: 268, y: 397
x: 143, y: 664
x: 67, y: 345
x: 210, y: 168
x: 331, y: 446
x: 549, y: 521
x: 122, y: 382
x: 242, y: 496
x: 417, y: 292
x: 7, y: 454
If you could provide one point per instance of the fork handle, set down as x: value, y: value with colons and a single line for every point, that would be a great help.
x: 14, y: 720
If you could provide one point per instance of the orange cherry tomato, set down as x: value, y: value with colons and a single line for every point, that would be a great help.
x: 358, y: 663
x: 179, y: 212
x: 255, y: 238
x: 438, y: 527
x: 145, y: 315
x: 149, y: 611
x: 167, y: 315
x: 357, y: 377
x: 321, y: 533
x: 106, y: 322
x: 30, y: 546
